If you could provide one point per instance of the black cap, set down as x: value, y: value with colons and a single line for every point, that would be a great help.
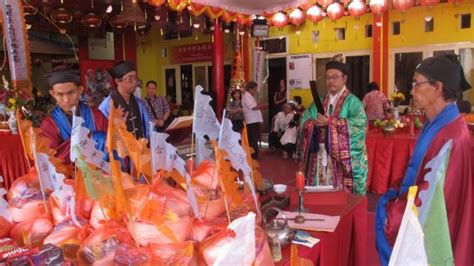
x: 447, y: 69
x: 121, y: 69
x: 63, y: 75
x: 337, y: 65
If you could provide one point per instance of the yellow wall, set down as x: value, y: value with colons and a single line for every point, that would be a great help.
x: 150, y: 61
x: 303, y: 42
x: 446, y: 29
x: 412, y: 33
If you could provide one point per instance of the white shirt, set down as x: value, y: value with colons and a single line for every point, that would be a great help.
x: 248, y: 103
x: 334, y: 98
x: 282, y: 121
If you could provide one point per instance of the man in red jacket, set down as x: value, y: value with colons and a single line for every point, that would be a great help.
x: 65, y: 88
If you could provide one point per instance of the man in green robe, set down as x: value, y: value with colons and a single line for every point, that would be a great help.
x: 333, y: 140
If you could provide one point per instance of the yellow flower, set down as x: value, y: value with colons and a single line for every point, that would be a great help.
x: 12, y: 101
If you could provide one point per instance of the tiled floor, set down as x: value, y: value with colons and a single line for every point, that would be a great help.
x: 283, y: 171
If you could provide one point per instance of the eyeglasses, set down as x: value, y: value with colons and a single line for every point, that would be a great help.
x: 332, y: 77
x: 415, y: 83
x: 131, y: 79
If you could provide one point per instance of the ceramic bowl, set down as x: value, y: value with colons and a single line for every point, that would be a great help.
x: 279, y: 188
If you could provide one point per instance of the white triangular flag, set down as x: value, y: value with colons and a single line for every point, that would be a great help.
x: 409, y: 248
x: 240, y: 250
x: 61, y: 191
x: 165, y: 157
x: 87, y: 145
x: 205, y: 123
x: 230, y: 142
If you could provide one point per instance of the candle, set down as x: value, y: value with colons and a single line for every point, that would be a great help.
x: 412, y: 127
x: 299, y: 181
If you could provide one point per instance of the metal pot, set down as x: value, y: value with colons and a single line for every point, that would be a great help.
x: 278, y: 227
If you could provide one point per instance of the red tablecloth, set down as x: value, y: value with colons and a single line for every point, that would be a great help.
x: 388, y: 158
x: 347, y: 245
x: 13, y: 163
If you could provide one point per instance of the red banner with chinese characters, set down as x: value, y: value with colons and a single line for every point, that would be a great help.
x: 191, y: 53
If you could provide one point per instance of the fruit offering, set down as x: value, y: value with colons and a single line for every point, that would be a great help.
x: 418, y: 123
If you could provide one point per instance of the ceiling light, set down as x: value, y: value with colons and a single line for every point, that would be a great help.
x: 109, y: 9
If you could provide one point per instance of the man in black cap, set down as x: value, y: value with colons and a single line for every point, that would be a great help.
x: 137, y: 117
x: 65, y: 88
x: 441, y: 168
x: 333, y: 139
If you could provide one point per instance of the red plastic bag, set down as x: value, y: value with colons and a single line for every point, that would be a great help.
x: 100, y: 246
x: 203, y: 229
x: 210, y: 247
x: 5, y: 227
x: 173, y: 254
x: 31, y: 233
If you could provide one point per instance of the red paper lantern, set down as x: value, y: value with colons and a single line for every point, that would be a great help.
x: 325, y: 3
x: 155, y: 2
x: 117, y: 23
x: 378, y: 6
x: 357, y: 8
x: 403, y: 5
x: 335, y: 11
x: 297, y: 16
x: 306, y: 6
x: 91, y: 20
x: 61, y: 15
x: 280, y: 20
x: 429, y: 3
x: 315, y: 14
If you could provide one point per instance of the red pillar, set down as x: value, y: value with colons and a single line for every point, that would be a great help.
x: 380, y: 51
x: 218, y: 69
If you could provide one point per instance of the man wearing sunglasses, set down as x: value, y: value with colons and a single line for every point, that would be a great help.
x: 333, y: 139
x: 440, y: 166
x: 137, y: 118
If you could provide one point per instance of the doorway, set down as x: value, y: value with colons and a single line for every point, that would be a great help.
x: 359, y: 74
x: 276, y: 73
x: 405, y: 65
x: 187, y: 87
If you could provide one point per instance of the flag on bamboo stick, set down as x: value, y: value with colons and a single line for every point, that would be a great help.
x: 137, y: 150
x: 98, y: 187
x: 165, y: 157
x: 205, y: 123
x: 64, y: 193
x: 80, y: 138
x: 121, y: 203
x: 229, y: 141
x: 409, y: 248
x: 227, y: 177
